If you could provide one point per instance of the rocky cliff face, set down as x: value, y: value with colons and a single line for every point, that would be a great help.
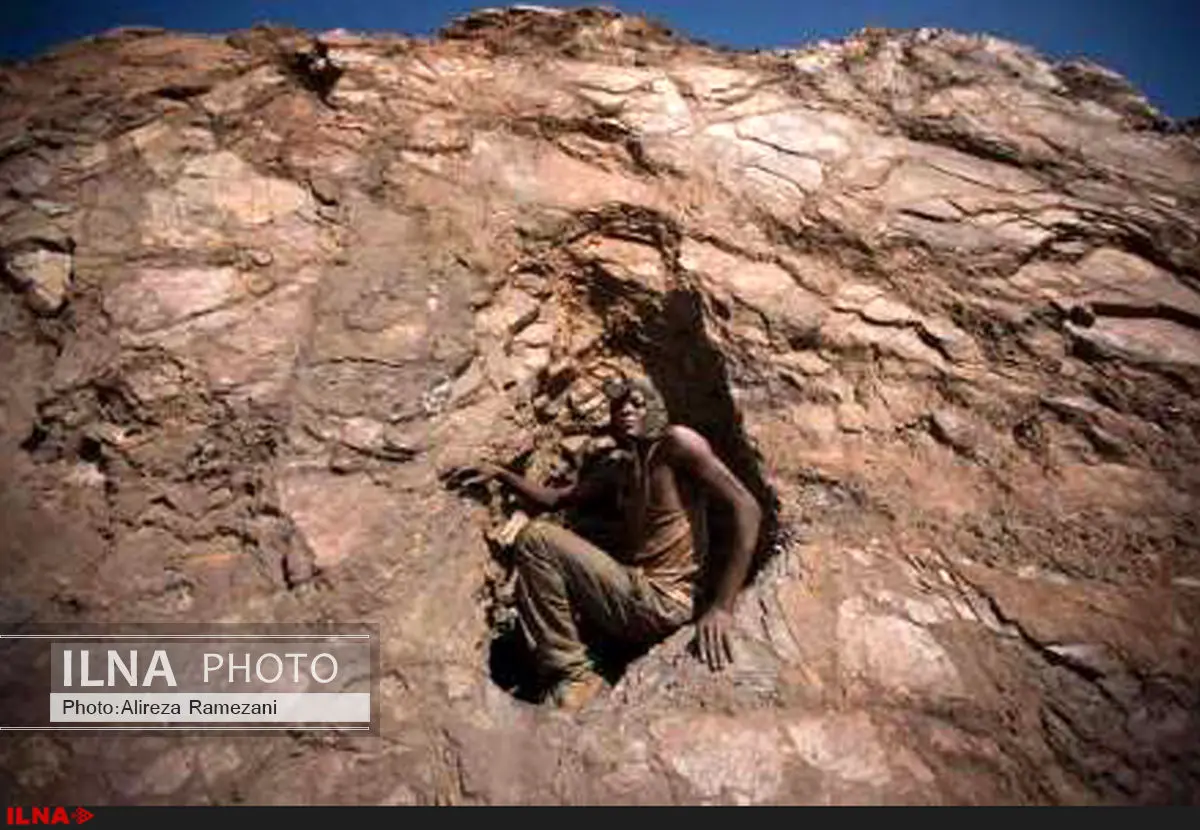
x: 936, y: 299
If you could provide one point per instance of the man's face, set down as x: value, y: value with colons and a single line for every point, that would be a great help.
x: 628, y: 414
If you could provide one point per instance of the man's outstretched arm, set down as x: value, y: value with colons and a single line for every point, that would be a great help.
x: 693, y: 454
x: 550, y: 498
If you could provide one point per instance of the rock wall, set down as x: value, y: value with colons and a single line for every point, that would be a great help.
x: 936, y: 299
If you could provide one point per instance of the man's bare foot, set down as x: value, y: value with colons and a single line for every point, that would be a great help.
x: 573, y: 694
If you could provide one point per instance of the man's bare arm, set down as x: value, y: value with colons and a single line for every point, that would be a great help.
x: 693, y: 454
x: 697, y: 458
x: 550, y: 498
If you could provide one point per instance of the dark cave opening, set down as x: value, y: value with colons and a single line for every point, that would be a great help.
x: 669, y: 341
x: 693, y: 376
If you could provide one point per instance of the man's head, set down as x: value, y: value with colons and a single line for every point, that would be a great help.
x: 636, y: 409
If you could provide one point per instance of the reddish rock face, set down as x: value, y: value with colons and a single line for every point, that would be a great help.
x: 934, y: 299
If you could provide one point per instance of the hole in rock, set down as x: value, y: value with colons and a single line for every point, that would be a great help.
x: 90, y: 450
x: 511, y: 666
x: 668, y: 342
x: 37, y: 436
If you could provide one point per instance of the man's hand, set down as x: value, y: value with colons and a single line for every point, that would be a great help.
x: 476, y: 475
x: 712, y: 638
x: 473, y: 475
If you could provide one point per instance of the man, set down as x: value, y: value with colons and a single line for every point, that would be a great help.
x: 651, y: 591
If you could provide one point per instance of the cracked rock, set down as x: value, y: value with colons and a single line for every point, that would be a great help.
x: 929, y: 296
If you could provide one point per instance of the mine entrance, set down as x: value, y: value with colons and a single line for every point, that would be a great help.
x: 669, y: 345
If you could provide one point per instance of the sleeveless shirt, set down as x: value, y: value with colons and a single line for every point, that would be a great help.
x: 668, y: 544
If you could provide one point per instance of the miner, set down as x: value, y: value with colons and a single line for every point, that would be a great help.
x: 647, y: 586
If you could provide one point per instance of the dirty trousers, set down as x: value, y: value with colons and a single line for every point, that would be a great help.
x: 562, y: 575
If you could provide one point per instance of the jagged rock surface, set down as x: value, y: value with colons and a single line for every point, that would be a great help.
x: 932, y: 296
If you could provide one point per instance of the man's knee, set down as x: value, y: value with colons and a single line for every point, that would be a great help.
x: 535, y: 539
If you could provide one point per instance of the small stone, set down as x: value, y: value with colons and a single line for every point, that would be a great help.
x: 261, y: 257
x: 259, y: 284
x: 886, y: 312
x: 574, y: 444
x: 326, y: 191
x: 52, y: 209
x: 953, y: 430
x: 43, y: 275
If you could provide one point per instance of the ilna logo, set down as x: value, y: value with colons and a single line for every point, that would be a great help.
x: 47, y: 815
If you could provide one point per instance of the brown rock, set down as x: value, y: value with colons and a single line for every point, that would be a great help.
x: 954, y: 430
x: 399, y: 256
x: 43, y: 275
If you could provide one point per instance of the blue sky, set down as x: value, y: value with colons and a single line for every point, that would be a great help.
x: 1155, y: 43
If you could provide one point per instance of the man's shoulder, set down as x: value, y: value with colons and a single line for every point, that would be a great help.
x: 684, y: 443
